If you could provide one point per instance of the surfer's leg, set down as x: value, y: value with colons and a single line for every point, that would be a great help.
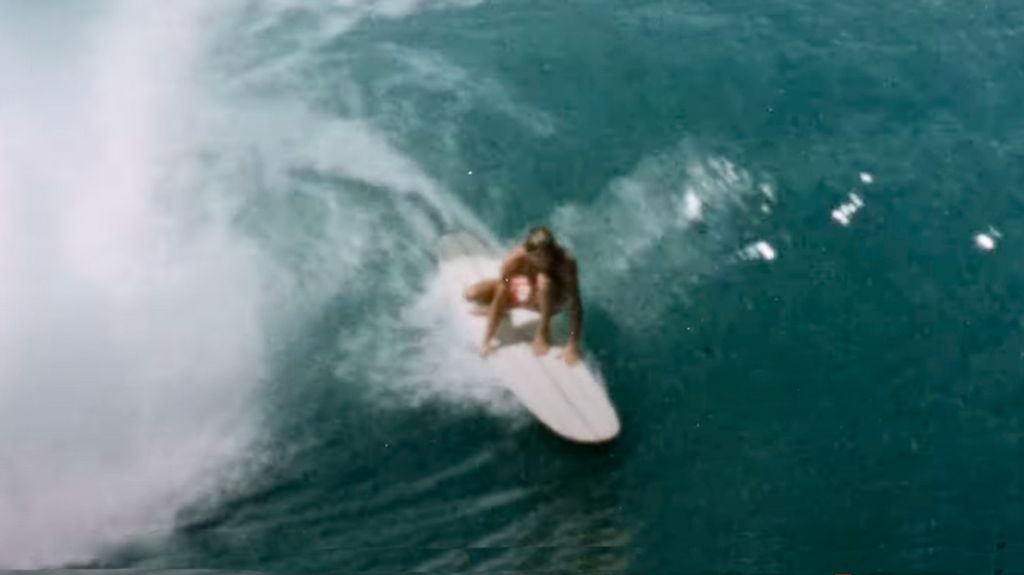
x: 482, y: 292
x: 545, y: 305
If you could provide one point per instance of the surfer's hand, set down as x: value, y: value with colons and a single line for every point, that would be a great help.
x: 486, y: 349
x: 571, y: 355
x: 540, y: 346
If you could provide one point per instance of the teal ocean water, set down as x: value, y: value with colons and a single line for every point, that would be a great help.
x: 799, y: 227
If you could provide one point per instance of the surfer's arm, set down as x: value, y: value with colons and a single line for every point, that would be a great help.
x: 498, y: 300
x: 576, y: 312
x: 576, y: 316
x: 494, y: 314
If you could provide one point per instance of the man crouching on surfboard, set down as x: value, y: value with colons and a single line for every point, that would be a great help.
x: 539, y: 275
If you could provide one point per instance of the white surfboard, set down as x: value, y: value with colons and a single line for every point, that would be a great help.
x: 570, y: 400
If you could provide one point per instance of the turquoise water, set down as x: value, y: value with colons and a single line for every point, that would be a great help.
x: 798, y: 227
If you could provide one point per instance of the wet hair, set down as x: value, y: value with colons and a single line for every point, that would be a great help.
x: 539, y: 238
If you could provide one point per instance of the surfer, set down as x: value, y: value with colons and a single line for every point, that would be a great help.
x: 539, y: 275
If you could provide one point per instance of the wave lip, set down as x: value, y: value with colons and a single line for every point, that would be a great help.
x: 132, y: 337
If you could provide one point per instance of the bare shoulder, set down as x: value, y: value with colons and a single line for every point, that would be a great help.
x: 567, y: 268
x: 569, y: 261
x: 515, y: 255
x: 514, y: 260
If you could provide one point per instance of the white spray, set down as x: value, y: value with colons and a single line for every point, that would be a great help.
x: 128, y: 344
